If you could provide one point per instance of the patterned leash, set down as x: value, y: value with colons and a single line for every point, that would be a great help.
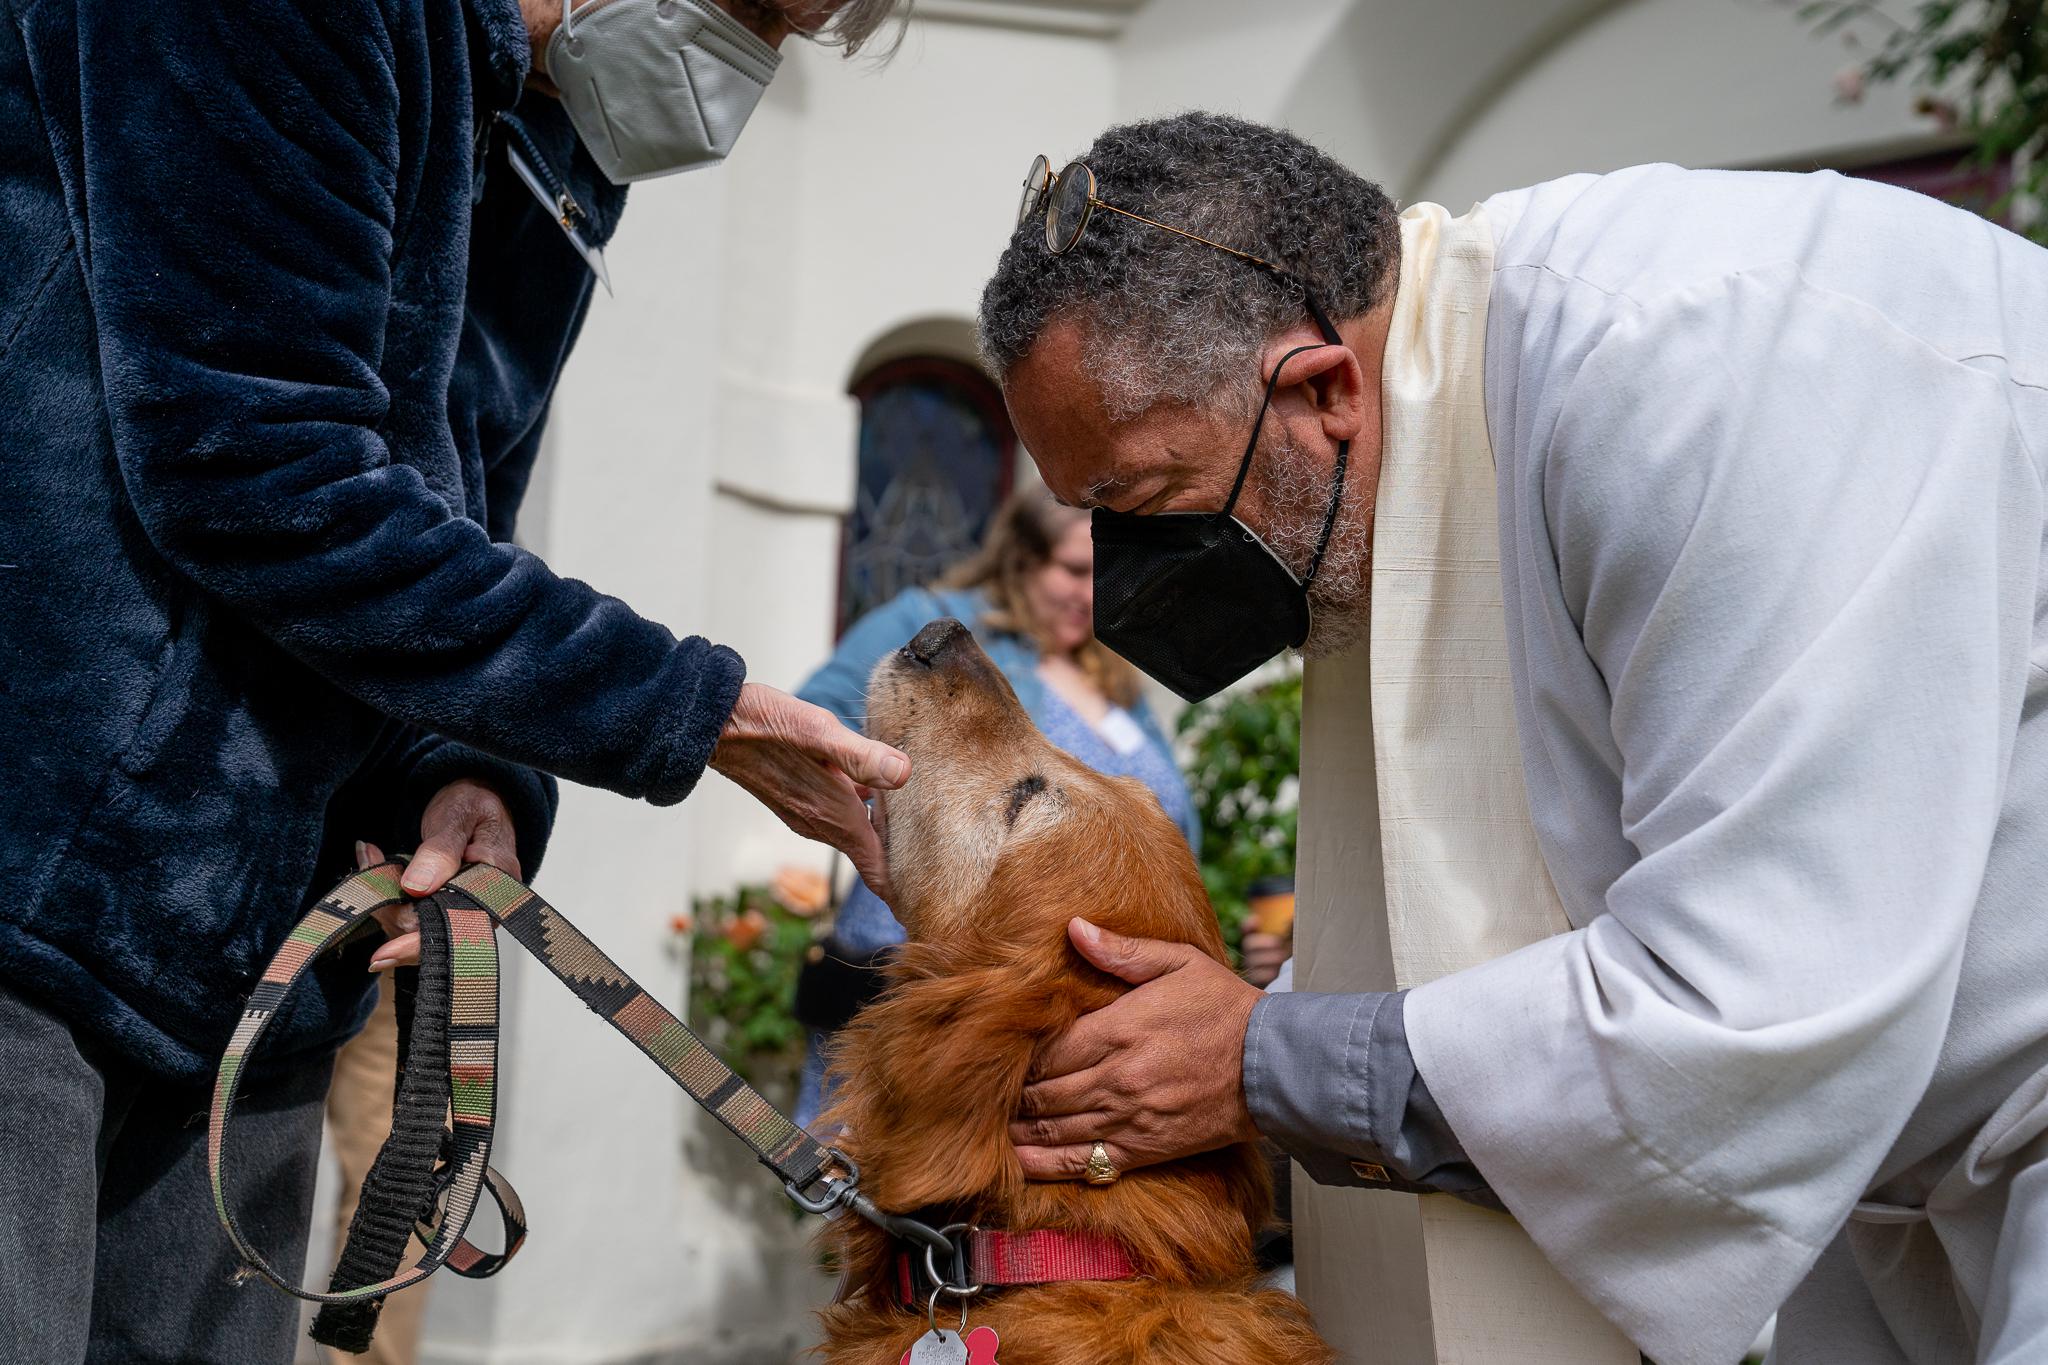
x: 448, y: 1066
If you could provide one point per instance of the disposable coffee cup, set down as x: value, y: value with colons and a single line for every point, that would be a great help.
x: 1272, y: 905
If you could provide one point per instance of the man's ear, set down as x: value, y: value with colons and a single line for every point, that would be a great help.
x: 1328, y: 378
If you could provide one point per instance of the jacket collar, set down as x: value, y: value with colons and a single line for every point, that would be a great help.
x: 500, y: 52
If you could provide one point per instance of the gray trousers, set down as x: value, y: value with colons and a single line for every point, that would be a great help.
x: 110, y: 1250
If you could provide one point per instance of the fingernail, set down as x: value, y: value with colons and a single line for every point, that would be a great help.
x: 378, y: 962
x: 362, y: 855
x: 1083, y: 929
x: 896, y: 768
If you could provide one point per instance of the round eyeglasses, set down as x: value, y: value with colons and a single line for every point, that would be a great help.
x: 1069, y: 201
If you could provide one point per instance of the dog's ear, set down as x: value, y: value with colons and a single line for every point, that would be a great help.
x: 941, y: 1063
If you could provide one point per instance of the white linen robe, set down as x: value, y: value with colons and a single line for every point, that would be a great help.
x: 1771, y: 453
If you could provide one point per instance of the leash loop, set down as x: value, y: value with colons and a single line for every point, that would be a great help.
x: 471, y: 959
x: 840, y: 1190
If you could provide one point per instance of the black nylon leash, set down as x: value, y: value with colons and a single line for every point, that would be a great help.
x: 400, y: 1183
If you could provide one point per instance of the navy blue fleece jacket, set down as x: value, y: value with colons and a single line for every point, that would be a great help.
x: 277, y: 334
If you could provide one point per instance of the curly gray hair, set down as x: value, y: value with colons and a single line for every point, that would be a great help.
x: 1167, y: 318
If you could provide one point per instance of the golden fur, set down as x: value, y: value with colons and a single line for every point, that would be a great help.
x: 989, y: 867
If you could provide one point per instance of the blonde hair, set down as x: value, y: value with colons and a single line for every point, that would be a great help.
x: 1020, y: 541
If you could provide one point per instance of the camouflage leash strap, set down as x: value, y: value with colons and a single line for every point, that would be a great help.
x: 472, y: 905
x: 794, y: 1155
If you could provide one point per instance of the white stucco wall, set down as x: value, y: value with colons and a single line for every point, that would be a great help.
x: 1222, y: 55
x: 1697, y: 82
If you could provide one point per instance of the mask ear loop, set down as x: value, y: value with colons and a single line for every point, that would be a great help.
x: 1330, y: 516
x: 1343, y: 451
x: 1244, y: 466
x: 568, y: 21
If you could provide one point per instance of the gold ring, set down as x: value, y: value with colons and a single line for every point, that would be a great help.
x: 1100, y: 1171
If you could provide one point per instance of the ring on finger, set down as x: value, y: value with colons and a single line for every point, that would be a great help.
x: 1100, y: 1170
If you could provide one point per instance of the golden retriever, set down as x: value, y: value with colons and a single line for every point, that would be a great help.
x: 998, y: 839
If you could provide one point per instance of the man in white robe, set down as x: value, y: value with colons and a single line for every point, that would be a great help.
x: 1770, y: 456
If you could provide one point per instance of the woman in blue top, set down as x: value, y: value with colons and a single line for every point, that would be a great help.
x: 1029, y: 597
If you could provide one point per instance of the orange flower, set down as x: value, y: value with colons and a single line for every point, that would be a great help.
x: 801, y: 890
x: 743, y: 931
x: 680, y: 924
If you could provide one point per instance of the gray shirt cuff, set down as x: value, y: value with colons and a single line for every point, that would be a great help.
x: 1330, y: 1079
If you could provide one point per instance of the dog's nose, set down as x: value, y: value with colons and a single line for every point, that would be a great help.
x: 927, y: 645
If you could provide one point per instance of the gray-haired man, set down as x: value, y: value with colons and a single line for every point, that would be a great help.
x: 1770, y: 453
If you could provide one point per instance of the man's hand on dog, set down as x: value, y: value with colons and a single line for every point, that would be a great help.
x: 1156, y: 1075
x: 466, y: 822
x: 813, y: 772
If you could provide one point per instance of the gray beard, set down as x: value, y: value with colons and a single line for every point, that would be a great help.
x: 1298, y: 495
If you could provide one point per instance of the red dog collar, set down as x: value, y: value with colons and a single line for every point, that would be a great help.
x: 1042, y: 1256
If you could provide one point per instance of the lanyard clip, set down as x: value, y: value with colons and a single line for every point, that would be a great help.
x: 567, y: 213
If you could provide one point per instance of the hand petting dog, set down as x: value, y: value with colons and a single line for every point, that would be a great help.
x: 813, y: 772
x: 1156, y: 1075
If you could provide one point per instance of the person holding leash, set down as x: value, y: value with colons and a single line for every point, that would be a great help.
x: 286, y: 292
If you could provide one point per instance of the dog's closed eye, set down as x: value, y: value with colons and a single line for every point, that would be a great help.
x: 1021, y: 794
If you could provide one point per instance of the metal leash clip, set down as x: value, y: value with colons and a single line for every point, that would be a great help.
x: 842, y: 1192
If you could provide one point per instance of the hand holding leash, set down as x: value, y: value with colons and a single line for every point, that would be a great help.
x: 466, y: 822
x: 1156, y: 1075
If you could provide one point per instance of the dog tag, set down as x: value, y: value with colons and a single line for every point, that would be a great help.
x: 937, y: 1348
x: 946, y: 1348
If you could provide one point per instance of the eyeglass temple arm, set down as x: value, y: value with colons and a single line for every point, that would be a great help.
x: 1183, y: 232
x: 1315, y: 309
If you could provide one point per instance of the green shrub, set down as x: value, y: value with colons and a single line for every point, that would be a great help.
x: 745, y: 951
x: 1243, y: 759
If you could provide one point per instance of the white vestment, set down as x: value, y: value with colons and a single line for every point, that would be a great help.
x: 1770, y: 455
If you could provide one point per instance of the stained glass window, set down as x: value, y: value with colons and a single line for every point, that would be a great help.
x: 935, y: 456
